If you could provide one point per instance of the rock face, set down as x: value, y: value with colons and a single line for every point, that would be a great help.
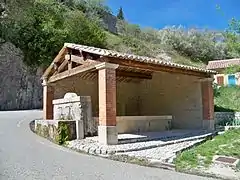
x: 20, y: 86
x: 110, y: 22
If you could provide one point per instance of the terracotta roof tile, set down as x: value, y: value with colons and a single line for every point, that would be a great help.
x: 110, y: 53
x: 218, y: 64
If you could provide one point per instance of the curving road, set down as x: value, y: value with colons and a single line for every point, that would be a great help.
x: 26, y: 156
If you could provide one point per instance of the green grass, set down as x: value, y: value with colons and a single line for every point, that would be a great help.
x: 227, y: 99
x: 227, y: 144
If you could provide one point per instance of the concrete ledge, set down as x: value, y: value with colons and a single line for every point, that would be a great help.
x: 130, y: 124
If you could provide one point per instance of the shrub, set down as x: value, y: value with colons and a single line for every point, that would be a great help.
x: 63, y: 132
x: 44, y: 28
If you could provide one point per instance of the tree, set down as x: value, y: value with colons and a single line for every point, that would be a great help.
x: 120, y: 14
x: 46, y: 26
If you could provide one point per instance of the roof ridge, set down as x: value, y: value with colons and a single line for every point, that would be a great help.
x: 113, y: 53
x: 233, y: 59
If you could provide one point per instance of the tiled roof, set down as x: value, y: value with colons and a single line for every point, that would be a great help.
x: 222, y: 63
x: 110, y: 53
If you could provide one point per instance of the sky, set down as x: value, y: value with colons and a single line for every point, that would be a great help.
x: 188, y: 13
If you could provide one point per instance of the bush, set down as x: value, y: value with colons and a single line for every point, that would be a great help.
x: 228, y: 99
x: 46, y: 26
x: 198, y: 45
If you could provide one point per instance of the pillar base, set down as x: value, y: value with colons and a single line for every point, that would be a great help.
x: 80, y: 129
x: 107, y: 135
x: 209, y: 125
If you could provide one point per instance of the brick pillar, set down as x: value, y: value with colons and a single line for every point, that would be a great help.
x: 107, y: 131
x: 48, y: 96
x: 208, y: 104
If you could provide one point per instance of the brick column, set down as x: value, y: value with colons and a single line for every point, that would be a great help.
x: 208, y: 104
x: 48, y: 96
x: 107, y: 131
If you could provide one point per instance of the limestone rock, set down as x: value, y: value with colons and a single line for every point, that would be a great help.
x: 20, y: 86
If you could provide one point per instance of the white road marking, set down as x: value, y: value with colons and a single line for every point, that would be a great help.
x: 20, y: 122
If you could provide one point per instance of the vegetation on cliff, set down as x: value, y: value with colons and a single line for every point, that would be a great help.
x: 40, y: 27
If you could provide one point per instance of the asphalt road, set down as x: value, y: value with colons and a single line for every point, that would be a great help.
x: 26, y: 156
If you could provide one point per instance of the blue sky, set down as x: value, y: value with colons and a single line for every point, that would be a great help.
x: 189, y: 13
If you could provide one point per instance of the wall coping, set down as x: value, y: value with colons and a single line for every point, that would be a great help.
x: 71, y: 100
x: 141, y: 118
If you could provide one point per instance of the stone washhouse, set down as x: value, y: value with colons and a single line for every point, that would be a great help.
x: 130, y: 93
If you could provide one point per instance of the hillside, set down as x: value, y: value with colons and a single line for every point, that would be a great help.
x: 139, y: 47
x: 91, y: 22
x: 33, y: 31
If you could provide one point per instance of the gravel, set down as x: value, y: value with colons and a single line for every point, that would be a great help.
x: 164, y: 153
x: 93, y: 147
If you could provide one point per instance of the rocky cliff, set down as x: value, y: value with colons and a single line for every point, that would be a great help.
x: 20, y: 86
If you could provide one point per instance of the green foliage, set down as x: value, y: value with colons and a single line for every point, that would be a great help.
x: 216, y: 90
x: 199, y: 45
x: 63, y: 132
x: 226, y: 144
x: 232, y: 69
x: 120, y: 14
x: 126, y: 29
x: 92, y: 8
x: 46, y: 26
x: 81, y: 30
x: 228, y: 99
x: 40, y: 27
x: 233, y: 38
x: 234, y: 122
x: 136, y: 46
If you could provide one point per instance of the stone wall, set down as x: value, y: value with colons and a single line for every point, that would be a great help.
x: 223, y: 116
x: 173, y: 94
x: 136, y: 124
x: 166, y: 94
x: 50, y: 129
x: 20, y: 86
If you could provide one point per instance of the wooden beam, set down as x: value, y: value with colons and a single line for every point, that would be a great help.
x: 155, y: 67
x: 60, y: 55
x: 137, y: 75
x: 77, y: 59
x: 69, y: 65
x: 72, y: 72
x: 62, y: 66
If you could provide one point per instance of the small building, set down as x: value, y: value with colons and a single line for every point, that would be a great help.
x: 131, y: 93
x: 223, y: 78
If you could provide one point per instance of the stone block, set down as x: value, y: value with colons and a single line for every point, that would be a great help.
x: 49, y: 129
x: 76, y: 108
x: 209, y: 125
x: 108, y: 135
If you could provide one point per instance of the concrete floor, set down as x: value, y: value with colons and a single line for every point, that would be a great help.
x: 163, y: 135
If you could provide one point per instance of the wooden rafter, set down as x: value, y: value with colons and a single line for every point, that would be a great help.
x: 155, y: 67
x: 72, y: 72
x: 59, y: 57
x: 62, y: 66
x: 137, y: 75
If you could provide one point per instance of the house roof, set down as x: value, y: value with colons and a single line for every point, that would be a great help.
x: 219, y: 64
x: 115, y: 54
x: 157, y: 63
